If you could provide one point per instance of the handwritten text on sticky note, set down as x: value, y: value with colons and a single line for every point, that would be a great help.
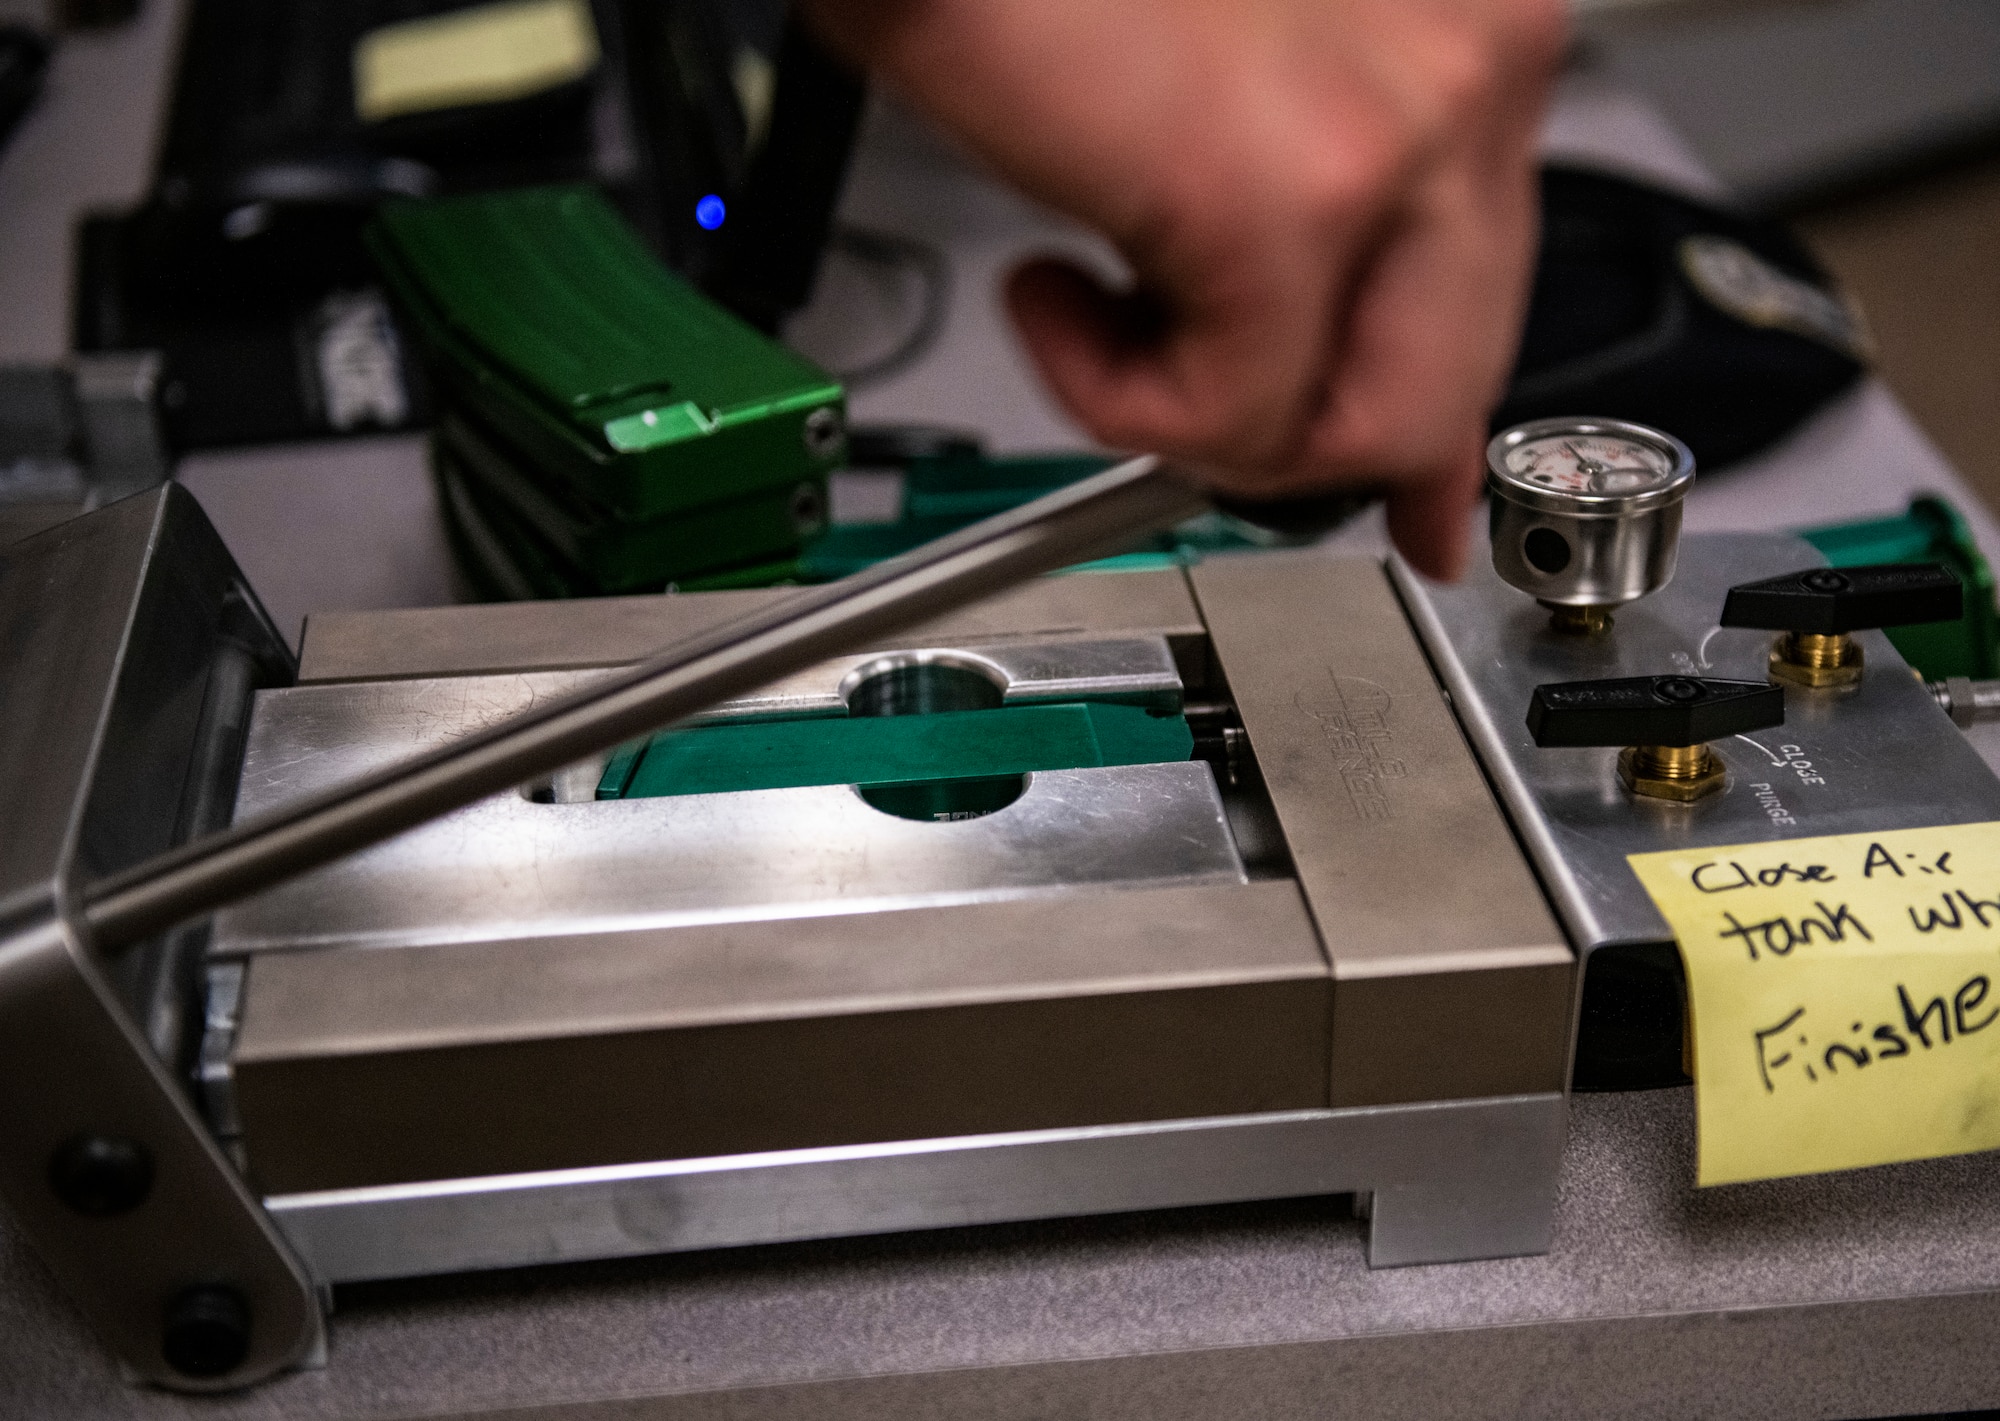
x: 1845, y: 996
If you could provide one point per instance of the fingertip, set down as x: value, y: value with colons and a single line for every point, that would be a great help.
x: 1433, y: 546
x: 1431, y: 524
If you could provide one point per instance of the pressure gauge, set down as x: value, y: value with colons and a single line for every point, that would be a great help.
x: 1586, y: 513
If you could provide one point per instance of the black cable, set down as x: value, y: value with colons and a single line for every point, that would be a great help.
x: 893, y: 252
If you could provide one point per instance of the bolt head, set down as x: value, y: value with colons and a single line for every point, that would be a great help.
x: 206, y: 1331
x: 1817, y: 678
x: 101, y: 1176
x: 808, y: 510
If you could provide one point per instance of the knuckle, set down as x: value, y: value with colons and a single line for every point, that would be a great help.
x: 1343, y: 183
x: 1466, y: 80
x: 1539, y: 33
x: 1363, y: 448
x: 1472, y: 71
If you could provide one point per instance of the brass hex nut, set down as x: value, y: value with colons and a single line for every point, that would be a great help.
x: 1846, y: 673
x: 1685, y: 790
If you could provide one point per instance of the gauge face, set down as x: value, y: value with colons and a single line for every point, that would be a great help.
x: 1597, y: 465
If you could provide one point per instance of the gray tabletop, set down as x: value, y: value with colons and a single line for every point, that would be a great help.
x: 1868, y: 1293
x: 1859, y: 1294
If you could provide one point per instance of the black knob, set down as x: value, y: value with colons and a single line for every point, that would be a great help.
x: 1830, y: 601
x: 1651, y: 710
x: 207, y: 1331
x: 101, y: 1175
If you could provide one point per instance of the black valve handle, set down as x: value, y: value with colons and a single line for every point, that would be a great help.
x: 1834, y: 601
x: 1651, y: 710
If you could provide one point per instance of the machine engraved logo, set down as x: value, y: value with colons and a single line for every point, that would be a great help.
x: 1356, y: 722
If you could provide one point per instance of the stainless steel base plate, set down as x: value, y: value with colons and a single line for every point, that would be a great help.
x: 1878, y: 756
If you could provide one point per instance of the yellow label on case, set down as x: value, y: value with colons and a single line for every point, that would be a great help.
x: 1844, y: 995
x: 481, y: 55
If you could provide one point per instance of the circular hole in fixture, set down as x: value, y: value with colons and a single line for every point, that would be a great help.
x: 932, y: 683
x: 944, y: 801
x: 1547, y: 550
x: 922, y: 683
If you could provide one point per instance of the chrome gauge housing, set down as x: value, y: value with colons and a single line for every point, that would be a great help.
x: 1586, y: 512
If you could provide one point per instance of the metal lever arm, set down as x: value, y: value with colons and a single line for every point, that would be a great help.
x: 1089, y: 519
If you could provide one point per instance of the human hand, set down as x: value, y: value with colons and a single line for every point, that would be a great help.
x: 1328, y: 206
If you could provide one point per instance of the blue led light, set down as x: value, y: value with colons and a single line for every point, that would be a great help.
x: 709, y: 212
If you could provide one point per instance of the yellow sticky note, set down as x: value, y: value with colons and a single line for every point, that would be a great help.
x: 476, y: 56
x: 1845, y: 997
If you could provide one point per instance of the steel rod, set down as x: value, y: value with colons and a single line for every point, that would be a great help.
x: 1089, y: 519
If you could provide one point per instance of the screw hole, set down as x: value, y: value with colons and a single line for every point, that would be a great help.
x: 808, y: 510
x: 823, y: 432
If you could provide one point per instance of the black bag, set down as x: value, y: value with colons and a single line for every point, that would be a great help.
x: 1716, y: 327
x: 24, y: 59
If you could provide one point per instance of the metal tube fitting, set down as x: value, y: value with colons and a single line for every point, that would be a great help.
x: 1966, y: 701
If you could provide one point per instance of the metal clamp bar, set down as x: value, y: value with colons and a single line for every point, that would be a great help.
x: 1088, y: 519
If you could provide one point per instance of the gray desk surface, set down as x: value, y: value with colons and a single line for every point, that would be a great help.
x: 1788, y: 102
x: 1870, y: 1293
x: 1867, y: 1293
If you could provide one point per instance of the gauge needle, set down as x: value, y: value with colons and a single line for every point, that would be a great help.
x: 1584, y: 463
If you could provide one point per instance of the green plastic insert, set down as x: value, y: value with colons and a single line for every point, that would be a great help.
x: 895, y: 749
x: 944, y: 492
x: 611, y: 556
x: 1930, y: 531
x: 541, y: 309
